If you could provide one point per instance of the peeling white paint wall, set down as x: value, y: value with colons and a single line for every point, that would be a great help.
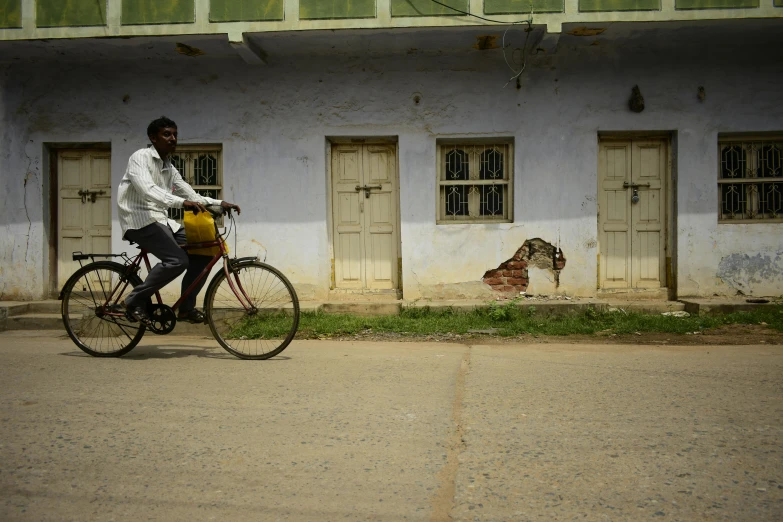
x: 724, y: 259
x: 273, y: 122
x: 21, y: 232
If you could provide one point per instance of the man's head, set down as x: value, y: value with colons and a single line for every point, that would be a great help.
x: 163, y: 135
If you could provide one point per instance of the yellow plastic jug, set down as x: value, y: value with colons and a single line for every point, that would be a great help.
x: 200, y: 228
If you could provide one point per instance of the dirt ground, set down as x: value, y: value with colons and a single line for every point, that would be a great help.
x: 729, y: 335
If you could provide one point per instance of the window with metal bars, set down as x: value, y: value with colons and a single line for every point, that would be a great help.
x: 750, y: 179
x: 201, y: 167
x: 474, y: 182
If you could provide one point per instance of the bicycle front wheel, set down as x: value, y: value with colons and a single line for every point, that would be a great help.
x: 86, y: 310
x: 263, y: 322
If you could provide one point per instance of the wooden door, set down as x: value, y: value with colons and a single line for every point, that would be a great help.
x: 648, y: 231
x: 632, y: 213
x: 364, y: 216
x: 84, y: 206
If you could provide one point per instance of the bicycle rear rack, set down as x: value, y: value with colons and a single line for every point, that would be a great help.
x: 80, y: 256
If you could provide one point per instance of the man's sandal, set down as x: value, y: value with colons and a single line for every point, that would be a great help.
x: 138, y: 314
x: 193, y: 316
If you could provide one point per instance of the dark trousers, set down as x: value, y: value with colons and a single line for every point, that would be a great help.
x: 160, y: 241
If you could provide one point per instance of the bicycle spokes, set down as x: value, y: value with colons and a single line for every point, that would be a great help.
x: 265, y: 327
x: 89, y: 309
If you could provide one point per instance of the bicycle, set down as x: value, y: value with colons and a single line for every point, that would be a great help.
x: 251, y: 307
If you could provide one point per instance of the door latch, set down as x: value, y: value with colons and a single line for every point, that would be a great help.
x: 367, y: 189
x: 92, y: 194
x: 635, y: 186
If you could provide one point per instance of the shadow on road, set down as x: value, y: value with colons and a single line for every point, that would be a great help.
x: 141, y: 353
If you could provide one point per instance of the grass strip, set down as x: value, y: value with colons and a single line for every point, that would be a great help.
x: 510, y: 320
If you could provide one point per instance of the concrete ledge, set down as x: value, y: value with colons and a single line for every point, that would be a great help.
x: 44, y: 307
x: 714, y: 306
x: 365, y: 308
x: 203, y: 330
x: 464, y: 306
x: 310, y: 306
x: 647, y: 307
x: 32, y: 315
x: 45, y: 315
x: 35, y: 322
x: 557, y: 307
x: 16, y: 309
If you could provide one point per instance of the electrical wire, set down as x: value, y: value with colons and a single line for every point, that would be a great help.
x: 524, y: 56
x: 529, y: 29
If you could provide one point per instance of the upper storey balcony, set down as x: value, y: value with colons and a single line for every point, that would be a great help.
x: 53, y: 19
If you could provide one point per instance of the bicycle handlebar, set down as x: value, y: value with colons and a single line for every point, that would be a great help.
x: 217, y: 210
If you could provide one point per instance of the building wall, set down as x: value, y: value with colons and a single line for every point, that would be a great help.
x: 273, y: 122
x: 21, y: 249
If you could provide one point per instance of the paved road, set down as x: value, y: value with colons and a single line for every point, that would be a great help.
x: 180, y: 430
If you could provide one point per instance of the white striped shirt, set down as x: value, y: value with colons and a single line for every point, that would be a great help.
x: 149, y: 188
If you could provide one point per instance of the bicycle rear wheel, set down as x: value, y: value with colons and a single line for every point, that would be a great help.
x: 264, y: 328
x: 85, y: 310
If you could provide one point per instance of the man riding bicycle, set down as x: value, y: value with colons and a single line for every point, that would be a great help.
x: 151, y: 185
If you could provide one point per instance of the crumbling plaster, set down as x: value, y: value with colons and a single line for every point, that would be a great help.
x: 21, y: 251
x: 723, y: 259
x: 273, y: 122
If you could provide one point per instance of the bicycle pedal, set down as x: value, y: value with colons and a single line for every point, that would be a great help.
x: 138, y: 314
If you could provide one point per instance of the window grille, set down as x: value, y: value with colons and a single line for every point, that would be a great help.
x: 750, y: 179
x: 474, y: 183
x: 201, y: 167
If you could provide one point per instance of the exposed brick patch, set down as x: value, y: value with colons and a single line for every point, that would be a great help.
x: 512, y: 275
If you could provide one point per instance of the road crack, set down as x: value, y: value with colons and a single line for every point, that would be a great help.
x: 443, y: 500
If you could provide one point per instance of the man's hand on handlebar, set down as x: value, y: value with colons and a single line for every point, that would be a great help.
x: 225, y: 207
x: 230, y: 206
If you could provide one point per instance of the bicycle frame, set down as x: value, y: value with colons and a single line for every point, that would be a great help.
x: 235, y: 284
x: 260, y: 326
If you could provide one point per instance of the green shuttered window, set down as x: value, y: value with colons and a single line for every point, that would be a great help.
x: 715, y: 4
x: 587, y: 6
x: 10, y: 14
x: 325, y: 9
x: 136, y: 12
x: 70, y: 13
x: 522, y: 6
x: 245, y: 10
x: 427, y: 8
